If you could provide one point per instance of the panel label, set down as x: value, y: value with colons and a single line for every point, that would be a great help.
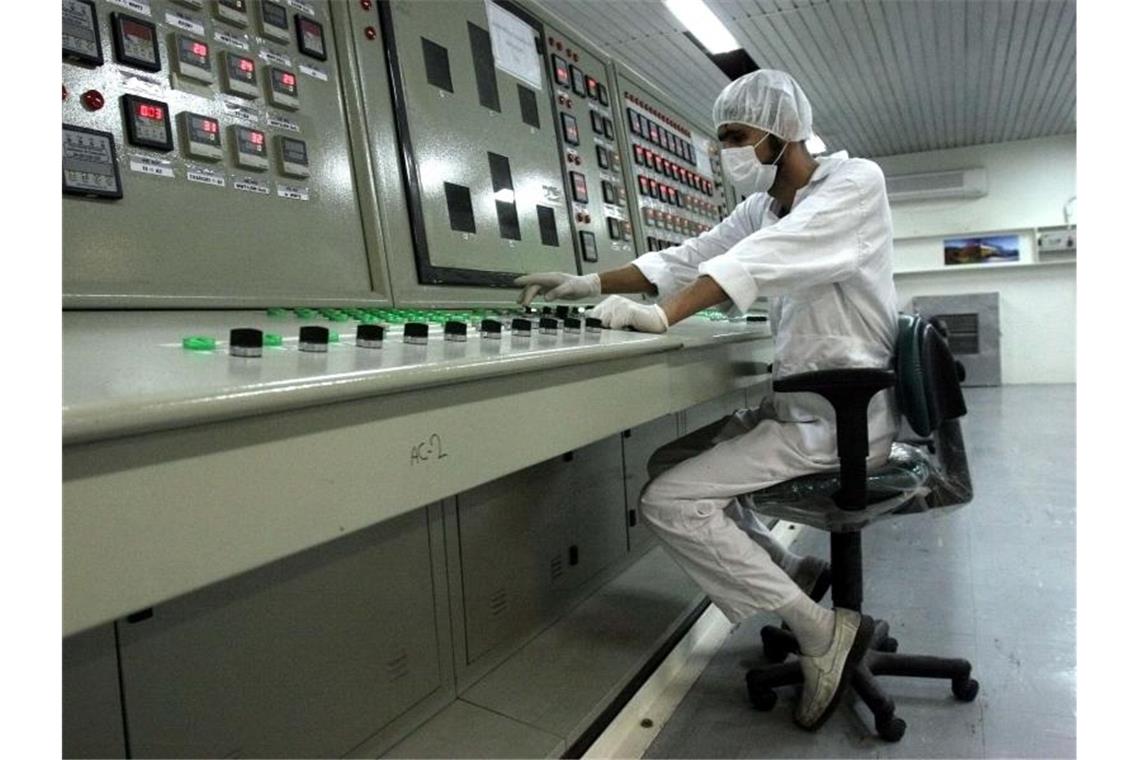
x: 132, y: 80
x: 251, y: 186
x: 205, y: 177
x: 280, y: 122
x: 303, y: 7
x: 512, y: 42
x: 240, y: 111
x: 314, y: 72
x: 276, y: 58
x: 138, y: 6
x: 155, y: 167
x: 184, y: 22
x: 233, y: 41
x: 293, y: 192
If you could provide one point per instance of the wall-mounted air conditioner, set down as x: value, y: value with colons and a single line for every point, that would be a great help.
x: 931, y: 186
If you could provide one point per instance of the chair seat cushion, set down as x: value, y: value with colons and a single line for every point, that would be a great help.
x: 901, y: 486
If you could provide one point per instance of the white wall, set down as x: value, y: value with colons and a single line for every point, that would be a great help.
x: 1030, y: 181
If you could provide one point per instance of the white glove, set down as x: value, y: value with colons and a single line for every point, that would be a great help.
x: 557, y: 285
x: 617, y: 312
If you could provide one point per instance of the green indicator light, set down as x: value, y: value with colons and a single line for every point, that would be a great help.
x: 271, y: 339
x: 338, y: 317
x: 276, y: 311
x: 334, y: 336
x: 199, y: 343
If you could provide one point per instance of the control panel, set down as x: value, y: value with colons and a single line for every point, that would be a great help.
x: 593, y: 165
x: 205, y: 155
x: 478, y: 141
x: 676, y: 184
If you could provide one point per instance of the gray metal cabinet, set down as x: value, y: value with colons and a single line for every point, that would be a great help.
x: 92, y: 709
x: 309, y: 656
x: 596, y: 500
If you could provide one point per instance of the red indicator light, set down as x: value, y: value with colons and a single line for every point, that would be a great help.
x: 288, y: 79
x: 93, y: 100
x: 209, y: 126
x: 370, y: 32
x: 150, y: 112
x: 245, y: 65
x: 256, y: 138
x: 199, y: 49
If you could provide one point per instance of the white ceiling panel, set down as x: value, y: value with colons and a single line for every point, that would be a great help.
x: 883, y: 76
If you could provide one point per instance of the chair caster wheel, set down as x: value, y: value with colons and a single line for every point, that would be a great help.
x: 891, y: 729
x: 964, y: 689
x: 775, y: 651
x: 890, y: 645
x: 763, y: 699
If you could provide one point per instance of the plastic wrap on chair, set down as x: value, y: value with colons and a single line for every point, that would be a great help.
x: 913, y: 480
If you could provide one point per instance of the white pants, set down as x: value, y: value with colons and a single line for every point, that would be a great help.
x: 691, y: 501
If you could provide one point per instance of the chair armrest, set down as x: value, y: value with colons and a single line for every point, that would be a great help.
x: 823, y: 381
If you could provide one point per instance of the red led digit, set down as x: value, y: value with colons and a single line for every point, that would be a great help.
x: 209, y: 127
x: 199, y: 49
x: 256, y: 138
x: 150, y: 112
x: 288, y: 79
x: 245, y: 65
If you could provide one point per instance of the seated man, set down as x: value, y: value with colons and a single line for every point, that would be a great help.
x: 815, y: 238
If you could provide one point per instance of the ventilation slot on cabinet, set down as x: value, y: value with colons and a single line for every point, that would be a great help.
x: 498, y: 602
x: 547, y: 229
x: 528, y: 105
x: 397, y: 667
x: 556, y: 568
x: 437, y: 65
x: 459, y: 210
x: 484, y: 61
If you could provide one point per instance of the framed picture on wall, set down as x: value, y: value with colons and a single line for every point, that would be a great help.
x: 988, y: 249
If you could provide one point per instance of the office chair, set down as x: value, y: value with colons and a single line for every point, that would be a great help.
x: 930, y: 399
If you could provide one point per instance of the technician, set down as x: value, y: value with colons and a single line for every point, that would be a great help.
x: 814, y: 237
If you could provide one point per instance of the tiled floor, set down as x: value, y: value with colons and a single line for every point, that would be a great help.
x: 993, y: 582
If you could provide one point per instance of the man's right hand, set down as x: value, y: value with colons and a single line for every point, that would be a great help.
x: 555, y: 286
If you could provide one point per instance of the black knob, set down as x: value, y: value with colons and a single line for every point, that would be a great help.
x: 245, y: 341
x: 520, y: 326
x: 573, y: 324
x: 562, y: 312
x: 453, y: 330
x: 313, y: 338
x: 491, y: 328
x: 416, y: 332
x: 548, y: 325
x: 593, y: 324
x: 547, y: 310
x: 370, y: 336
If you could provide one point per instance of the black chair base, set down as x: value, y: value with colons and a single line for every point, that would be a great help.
x: 881, y: 660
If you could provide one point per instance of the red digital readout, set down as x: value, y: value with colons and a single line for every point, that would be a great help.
x: 288, y: 79
x: 245, y: 65
x: 209, y: 126
x: 199, y: 49
x: 256, y: 138
x: 150, y: 112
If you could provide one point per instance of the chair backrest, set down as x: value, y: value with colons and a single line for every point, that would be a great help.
x: 929, y: 388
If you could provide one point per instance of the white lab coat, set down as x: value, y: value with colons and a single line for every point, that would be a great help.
x: 826, y: 268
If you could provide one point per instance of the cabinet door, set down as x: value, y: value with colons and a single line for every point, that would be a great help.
x: 92, y: 709
x: 306, y: 657
x: 638, y: 445
x: 513, y: 537
x: 596, y: 500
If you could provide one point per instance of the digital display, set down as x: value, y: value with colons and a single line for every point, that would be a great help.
x: 596, y: 122
x: 589, y: 246
x: 579, y: 187
x: 241, y: 75
x: 634, y: 121
x: 561, y: 71
x: 232, y: 11
x: 294, y: 151
x: 603, y: 157
x: 194, y: 52
x: 81, y: 32
x: 147, y: 124
x: 274, y: 14
x: 603, y: 96
x: 643, y: 184
x: 608, y: 192
x: 608, y: 128
x: 203, y: 129
x: 578, y: 80
x: 251, y: 141
x: 570, y: 129
x: 89, y: 164
x: 654, y: 135
x: 613, y: 225
x: 311, y: 38
x: 638, y: 155
x: 592, y: 87
x: 284, y: 81
x: 136, y: 42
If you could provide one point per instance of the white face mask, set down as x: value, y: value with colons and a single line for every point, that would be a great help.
x: 747, y: 173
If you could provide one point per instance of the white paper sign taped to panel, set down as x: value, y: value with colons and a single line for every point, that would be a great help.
x: 513, y: 45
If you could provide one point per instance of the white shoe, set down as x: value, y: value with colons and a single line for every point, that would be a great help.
x: 826, y: 676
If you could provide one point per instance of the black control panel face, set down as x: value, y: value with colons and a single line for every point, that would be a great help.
x: 147, y: 123
x: 136, y: 42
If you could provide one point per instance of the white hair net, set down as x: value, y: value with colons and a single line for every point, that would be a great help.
x: 766, y: 99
